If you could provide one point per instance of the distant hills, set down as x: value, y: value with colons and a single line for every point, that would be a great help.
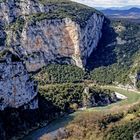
x: 123, y: 13
x: 119, y: 8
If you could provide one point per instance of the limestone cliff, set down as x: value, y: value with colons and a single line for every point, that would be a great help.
x: 60, y: 39
x: 50, y: 31
x: 94, y: 99
x: 41, y: 32
x: 16, y: 87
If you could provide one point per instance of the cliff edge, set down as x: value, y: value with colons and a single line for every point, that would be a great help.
x: 49, y: 31
x: 40, y: 32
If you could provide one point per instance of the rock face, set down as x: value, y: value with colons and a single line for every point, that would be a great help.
x: 94, y: 99
x: 16, y: 87
x: 43, y: 40
x: 59, y: 40
x: 40, y: 34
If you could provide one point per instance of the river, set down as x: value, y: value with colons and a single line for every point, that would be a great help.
x: 55, y: 125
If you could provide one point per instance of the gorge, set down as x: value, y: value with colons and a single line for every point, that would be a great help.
x: 34, y: 34
x: 57, y: 56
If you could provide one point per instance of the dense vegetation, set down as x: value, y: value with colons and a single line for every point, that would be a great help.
x: 59, y: 9
x: 115, y: 59
x: 69, y: 97
x: 54, y: 101
x: 117, y: 55
x: 106, y: 126
x: 66, y: 8
x: 63, y: 96
x: 119, y: 61
x: 60, y: 74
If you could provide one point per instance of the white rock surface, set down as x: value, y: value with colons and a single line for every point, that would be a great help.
x: 53, y: 40
x: 40, y: 43
x: 56, y: 39
x: 16, y: 87
x: 120, y: 96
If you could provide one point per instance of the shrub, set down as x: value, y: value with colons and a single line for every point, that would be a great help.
x: 60, y: 74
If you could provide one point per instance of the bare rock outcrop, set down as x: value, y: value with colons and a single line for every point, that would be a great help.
x: 40, y: 33
x: 16, y: 86
x: 44, y: 34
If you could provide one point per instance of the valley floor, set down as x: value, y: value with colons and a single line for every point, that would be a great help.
x: 133, y: 97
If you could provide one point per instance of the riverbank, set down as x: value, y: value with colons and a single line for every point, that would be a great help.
x: 55, y: 125
x: 132, y: 97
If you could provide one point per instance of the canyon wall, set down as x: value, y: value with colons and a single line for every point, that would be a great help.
x: 40, y: 34
x: 60, y: 40
x: 50, y: 40
x: 16, y: 86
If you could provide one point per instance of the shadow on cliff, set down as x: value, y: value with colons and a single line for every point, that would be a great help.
x: 14, y: 122
x: 104, y: 54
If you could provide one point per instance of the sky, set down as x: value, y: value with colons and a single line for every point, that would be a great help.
x: 109, y: 3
